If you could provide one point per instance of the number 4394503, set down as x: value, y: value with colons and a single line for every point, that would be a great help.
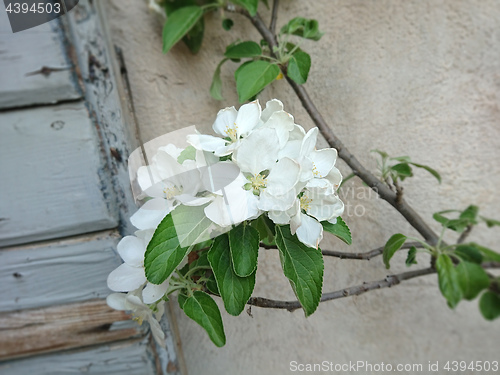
x: 34, y: 8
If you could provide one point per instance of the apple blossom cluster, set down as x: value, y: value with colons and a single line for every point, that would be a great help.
x: 259, y: 163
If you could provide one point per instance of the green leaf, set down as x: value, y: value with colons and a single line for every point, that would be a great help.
x: 194, y: 37
x: 412, y: 256
x: 181, y: 228
x: 216, y: 86
x: 244, y: 243
x: 428, y: 169
x: 403, y: 159
x: 489, y: 255
x: 243, y: 49
x: 458, y: 225
x: 469, y: 253
x: 303, y: 266
x: 472, y: 279
x: 249, y: 5
x: 234, y: 290
x: 189, y: 153
x: 489, y: 304
x: 181, y: 299
x: 227, y: 24
x: 178, y: 24
x: 212, y: 285
x: 490, y: 222
x: 252, y: 77
x: 203, y: 310
x: 470, y: 214
x: 306, y: 28
x: 392, y: 245
x: 402, y: 170
x: 265, y: 227
x: 339, y: 229
x: 298, y: 67
x: 448, y: 280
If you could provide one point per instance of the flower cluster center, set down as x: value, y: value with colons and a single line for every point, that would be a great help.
x: 171, y: 192
x: 231, y: 132
x: 305, y: 202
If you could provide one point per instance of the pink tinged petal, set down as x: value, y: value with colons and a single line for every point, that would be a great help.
x: 273, y: 105
x: 151, y: 213
x: 323, y: 161
x: 206, y: 142
x: 258, y: 151
x: 132, y: 250
x: 126, y: 278
x: 225, y: 120
x: 283, y: 123
x: 283, y: 177
x: 248, y: 118
x: 309, y: 142
x: 152, y: 292
x: 310, y: 232
x: 117, y: 301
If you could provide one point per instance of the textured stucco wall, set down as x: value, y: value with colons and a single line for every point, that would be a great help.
x: 418, y: 78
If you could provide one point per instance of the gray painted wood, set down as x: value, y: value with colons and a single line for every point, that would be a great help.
x: 26, y: 52
x: 57, y: 272
x: 132, y: 357
x: 53, y: 182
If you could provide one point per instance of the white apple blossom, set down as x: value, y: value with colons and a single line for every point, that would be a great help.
x: 140, y: 311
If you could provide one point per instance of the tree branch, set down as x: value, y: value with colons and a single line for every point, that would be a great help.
x: 388, y: 282
x: 465, y: 234
x: 358, y: 169
x: 274, y: 17
x: 347, y: 292
x: 360, y: 256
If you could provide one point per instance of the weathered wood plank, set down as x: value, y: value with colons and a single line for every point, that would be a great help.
x: 132, y: 357
x: 23, y: 54
x: 54, y: 182
x: 57, y: 272
x: 31, y: 332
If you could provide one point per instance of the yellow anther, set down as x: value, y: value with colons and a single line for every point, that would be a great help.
x: 231, y: 132
x: 305, y: 202
x: 171, y: 192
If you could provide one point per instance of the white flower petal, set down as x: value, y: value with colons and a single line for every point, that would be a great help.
x: 117, y: 301
x: 327, y: 208
x: 132, y: 250
x: 310, y: 231
x: 152, y: 292
x: 323, y: 161
x: 309, y: 142
x: 268, y: 202
x: 225, y: 120
x: 283, y: 177
x: 273, y: 105
x: 157, y: 332
x: 126, y: 278
x: 248, y: 118
x: 283, y: 123
x: 234, y: 207
x: 151, y: 213
x: 258, y: 151
x: 206, y: 142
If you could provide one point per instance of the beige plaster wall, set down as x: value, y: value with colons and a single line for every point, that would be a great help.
x: 418, y: 78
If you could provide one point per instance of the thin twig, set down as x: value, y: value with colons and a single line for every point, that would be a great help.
x: 465, y: 234
x: 274, y: 16
x: 388, y: 282
x: 371, y: 180
x: 360, y: 256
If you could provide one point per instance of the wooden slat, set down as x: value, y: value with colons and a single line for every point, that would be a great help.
x: 53, y: 180
x: 31, y: 332
x: 29, y: 51
x: 131, y: 357
x: 57, y: 272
